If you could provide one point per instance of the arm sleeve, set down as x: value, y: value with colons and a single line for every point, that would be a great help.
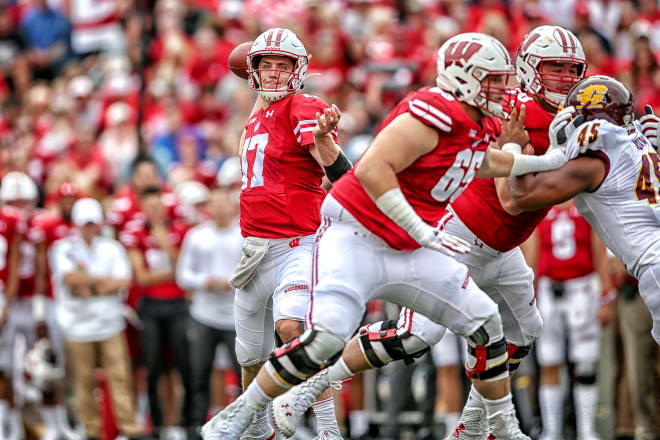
x: 188, y: 274
x: 304, y: 118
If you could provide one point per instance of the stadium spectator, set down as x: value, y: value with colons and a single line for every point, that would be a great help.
x: 209, y: 254
x: 153, y: 250
x: 47, y: 34
x: 90, y: 273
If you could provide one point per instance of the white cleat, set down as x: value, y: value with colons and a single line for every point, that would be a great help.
x: 289, y: 407
x: 327, y: 435
x: 259, y: 428
x: 503, y: 425
x: 231, y: 422
x: 472, y: 425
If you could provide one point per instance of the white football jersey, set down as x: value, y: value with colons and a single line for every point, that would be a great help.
x: 624, y: 210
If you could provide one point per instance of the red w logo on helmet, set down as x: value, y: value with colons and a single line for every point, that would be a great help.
x: 460, y: 52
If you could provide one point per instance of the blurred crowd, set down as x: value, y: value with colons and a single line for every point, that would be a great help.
x: 88, y: 86
x: 84, y: 87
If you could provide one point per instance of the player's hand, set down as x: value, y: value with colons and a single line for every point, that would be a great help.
x: 562, y: 126
x: 327, y: 121
x: 605, y: 314
x: 443, y: 242
x: 3, y: 315
x: 651, y: 126
x: 513, y: 129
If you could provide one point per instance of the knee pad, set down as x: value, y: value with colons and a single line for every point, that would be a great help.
x: 584, y: 373
x: 383, y: 342
x: 516, y: 355
x: 249, y: 354
x: 303, y: 357
x: 487, y: 355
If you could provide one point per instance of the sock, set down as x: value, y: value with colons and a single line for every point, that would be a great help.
x: 256, y: 397
x: 325, y: 416
x: 475, y: 399
x: 49, y: 418
x: 498, y: 405
x: 4, y: 409
x: 62, y: 421
x: 551, y: 400
x: 359, y: 423
x: 339, y: 370
x: 16, y: 430
x: 586, y: 398
x: 451, y: 420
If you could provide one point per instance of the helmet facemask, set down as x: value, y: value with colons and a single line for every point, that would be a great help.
x: 555, y: 94
x: 491, y: 93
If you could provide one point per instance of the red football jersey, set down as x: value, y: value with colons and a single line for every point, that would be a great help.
x: 435, y: 178
x: 27, y: 262
x: 281, y: 190
x: 565, y: 250
x: 479, y: 207
x: 49, y: 228
x: 136, y: 235
x: 11, y: 225
x: 125, y: 207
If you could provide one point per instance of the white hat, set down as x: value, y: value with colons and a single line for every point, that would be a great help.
x: 87, y: 210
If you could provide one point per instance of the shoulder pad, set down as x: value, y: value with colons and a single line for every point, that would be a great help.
x: 433, y: 107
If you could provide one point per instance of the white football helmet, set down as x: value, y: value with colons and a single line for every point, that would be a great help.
x: 41, y: 365
x: 549, y: 44
x: 280, y: 42
x: 18, y: 186
x: 465, y: 63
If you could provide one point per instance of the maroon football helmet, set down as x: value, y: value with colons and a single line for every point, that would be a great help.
x: 602, y: 97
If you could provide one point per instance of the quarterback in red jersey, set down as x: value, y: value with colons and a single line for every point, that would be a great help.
x: 377, y: 241
x: 288, y: 143
x: 571, y: 270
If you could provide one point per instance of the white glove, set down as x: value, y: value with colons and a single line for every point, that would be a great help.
x: 561, y: 127
x: 651, y: 126
x: 394, y: 204
x: 442, y: 241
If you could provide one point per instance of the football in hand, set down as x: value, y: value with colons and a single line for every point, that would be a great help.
x: 238, y: 59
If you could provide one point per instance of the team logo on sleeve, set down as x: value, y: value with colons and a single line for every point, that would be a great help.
x: 592, y: 96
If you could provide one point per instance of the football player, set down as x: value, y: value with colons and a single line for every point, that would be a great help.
x: 612, y: 175
x: 376, y: 240
x: 550, y: 61
x: 574, y: 297
x: 287, y: 145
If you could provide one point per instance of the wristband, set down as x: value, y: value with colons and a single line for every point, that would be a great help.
x: 338, y: 167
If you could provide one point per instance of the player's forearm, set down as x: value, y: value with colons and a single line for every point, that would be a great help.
x: 327, y: 150
x: 79, y: 279
x: 504, y: 163
x: 528, y: 194
x: 107, y: 286
x: 147, y: 278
